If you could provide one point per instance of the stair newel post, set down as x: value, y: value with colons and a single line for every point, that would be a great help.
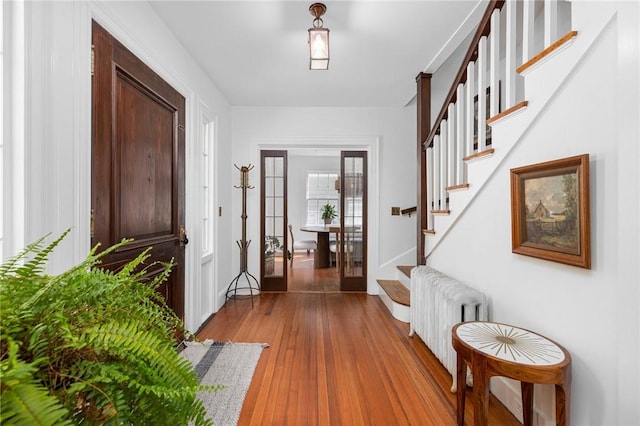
x: 482, y: 94
x: 423, y: 121
x: 460, y: 134
x: 451, y: 146
x: 243, y: 244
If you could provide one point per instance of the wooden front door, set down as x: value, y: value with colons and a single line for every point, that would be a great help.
x: 137, y: 174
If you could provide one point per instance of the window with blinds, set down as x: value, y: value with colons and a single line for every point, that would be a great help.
x: 321, y: 190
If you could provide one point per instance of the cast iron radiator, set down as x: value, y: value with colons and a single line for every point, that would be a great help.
x: 438, y: 302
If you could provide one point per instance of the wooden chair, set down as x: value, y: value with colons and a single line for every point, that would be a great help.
x: 334, y: 247
x: 307, y: 245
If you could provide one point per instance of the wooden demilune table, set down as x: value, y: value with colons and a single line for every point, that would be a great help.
x: 495, y: 349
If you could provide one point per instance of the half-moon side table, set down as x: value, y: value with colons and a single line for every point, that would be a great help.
x: 495, y: 349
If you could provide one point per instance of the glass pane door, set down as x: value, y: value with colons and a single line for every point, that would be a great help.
x: 353, y: 221
x: 273, y: 262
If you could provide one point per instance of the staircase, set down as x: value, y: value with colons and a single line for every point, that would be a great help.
x: 495, y: 96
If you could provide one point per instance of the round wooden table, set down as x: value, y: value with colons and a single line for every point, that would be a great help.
x: 495, y: 349
x: 322, y: 255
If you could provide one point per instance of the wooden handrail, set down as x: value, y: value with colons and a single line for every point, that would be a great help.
x: 409, y: 210
x: 483, y: 30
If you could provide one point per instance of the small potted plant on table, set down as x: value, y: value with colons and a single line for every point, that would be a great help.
x: 328, y: 213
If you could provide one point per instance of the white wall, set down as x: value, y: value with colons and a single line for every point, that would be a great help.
x: 52, y: 180
x: 442, y: 78
x: 391, y: 129
x: 593, y: 313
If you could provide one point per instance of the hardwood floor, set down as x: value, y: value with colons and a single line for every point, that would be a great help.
x: 304, y: 278
x: 338, y: 359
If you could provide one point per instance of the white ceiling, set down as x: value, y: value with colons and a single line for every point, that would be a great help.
x: 256, y: 52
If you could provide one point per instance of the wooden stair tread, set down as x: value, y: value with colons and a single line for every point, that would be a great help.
x: 406, y: 269
x: 396, y: 291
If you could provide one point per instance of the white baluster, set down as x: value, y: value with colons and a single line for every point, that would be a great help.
x: 460, y: 134
x: 494, y: 65
x: 470, y: 113
x: 550, y: 22
x: 436, y: 173
x: 482, y: 93
x: 528, y: 28
x: 429, y: 154
x: 510, y: 58
x: 451, y: 146
x: 443, y: 163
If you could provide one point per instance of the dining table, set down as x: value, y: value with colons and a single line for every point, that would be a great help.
x: 322, y: 256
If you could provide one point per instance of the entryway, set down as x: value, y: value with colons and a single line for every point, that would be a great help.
x: 344, y: 239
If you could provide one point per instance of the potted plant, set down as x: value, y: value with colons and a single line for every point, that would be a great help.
x: 328, y: 213
x: 91, y: 346
x: 271, y: 246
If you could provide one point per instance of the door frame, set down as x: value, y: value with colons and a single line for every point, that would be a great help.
x: 274, y: 282
x: 73, y: 129
x: 85, y: 13
x: 370, y: 144
x: 118, y: 71
x: 353, y: 282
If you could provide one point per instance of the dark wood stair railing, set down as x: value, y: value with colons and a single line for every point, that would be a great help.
x: 484, y: 28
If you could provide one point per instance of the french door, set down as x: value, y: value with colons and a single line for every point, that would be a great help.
x: 273, y: 223
x: 352, y: 236
x: 353, y: 221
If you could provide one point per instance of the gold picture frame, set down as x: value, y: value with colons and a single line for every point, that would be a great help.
x: 550, y: 211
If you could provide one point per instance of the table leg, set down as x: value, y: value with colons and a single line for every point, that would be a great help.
x: 321, y: 259
x: 480, y: 390
x: 527, y: 403
x: 563, y: 396
x: 461, y: 391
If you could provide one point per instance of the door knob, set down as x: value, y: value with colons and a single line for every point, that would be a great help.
x: 183, y: 237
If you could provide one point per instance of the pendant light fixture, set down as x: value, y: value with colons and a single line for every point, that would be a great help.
x: 318, y: 39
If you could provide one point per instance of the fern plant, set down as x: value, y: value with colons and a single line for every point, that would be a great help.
x: 90, y: 346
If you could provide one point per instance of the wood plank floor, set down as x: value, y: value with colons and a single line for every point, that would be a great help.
x: 304, y: 278
x: 338, y: 359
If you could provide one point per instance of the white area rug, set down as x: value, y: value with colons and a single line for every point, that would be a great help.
x: 229, y: 364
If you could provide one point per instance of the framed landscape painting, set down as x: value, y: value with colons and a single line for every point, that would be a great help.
x: 550, y: 211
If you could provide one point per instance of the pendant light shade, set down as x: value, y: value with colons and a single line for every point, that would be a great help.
x: 318, y: 39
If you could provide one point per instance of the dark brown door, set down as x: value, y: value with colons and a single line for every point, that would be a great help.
x: 273, y: 226
x: 137, y: 175
x: 353, y: 221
